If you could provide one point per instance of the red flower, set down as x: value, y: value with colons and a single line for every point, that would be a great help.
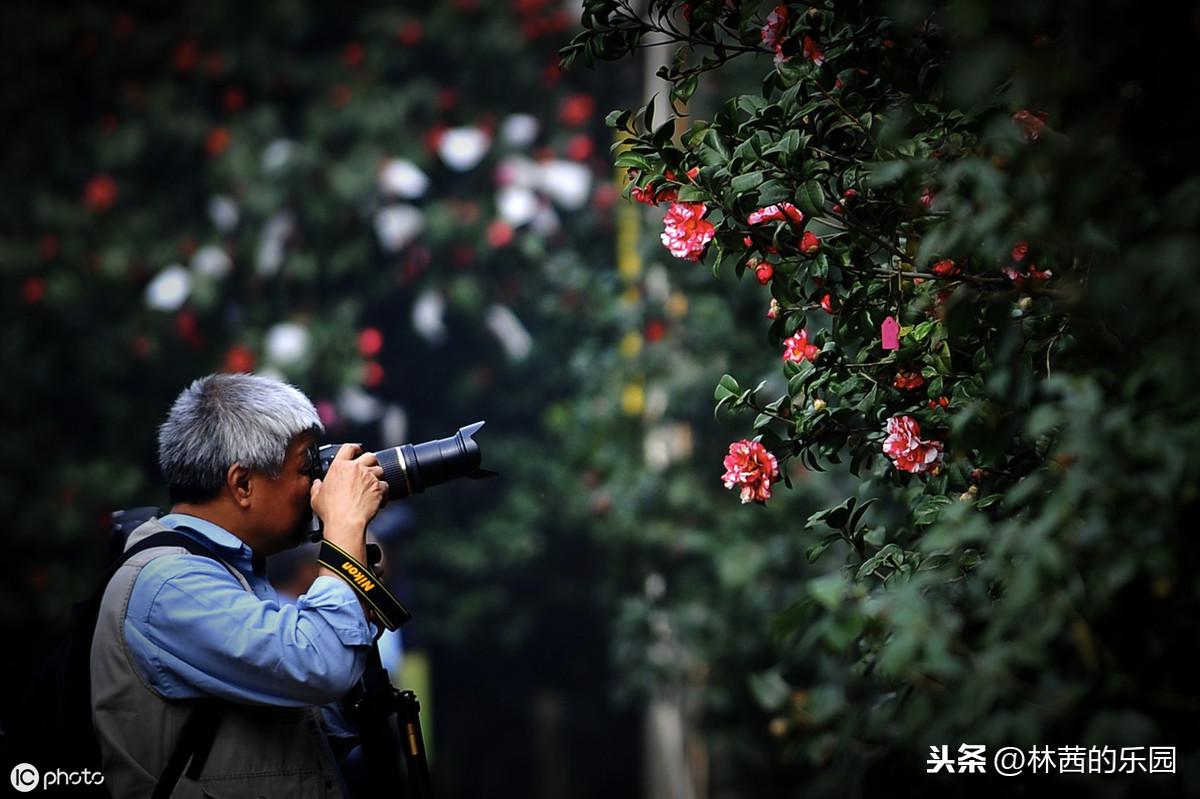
x: 797, y: 348
x: 809, y: 243
x: 764, y: 272
x: 372, y: 375
x: 185, y: 56
x: 576, y: 109
x: 772, y: 213
x: 906, y: 448
x: 655, y: 330
x: 233, y: 99
x: 827, y: 304
x: 1020, y: 250
x: 410, y: 33
x: 579, y: 148
x: 940, y: 402
x: 240, y: 358
x: 946, y: 267
x: 685, y: 233
x: 100, y: 193
x: 908, y: 380
x: 1030, y: 123
x: 370, y: 342
x: 772, y: 32
x: 352, y: 56
x: 927, y: 198
x: 499, y: 233
x: 33, y: 290
x: 750, y: 467
x: 812, y: 51
x: 217, y: 141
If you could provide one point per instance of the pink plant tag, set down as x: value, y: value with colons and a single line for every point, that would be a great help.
x: 890, y: 332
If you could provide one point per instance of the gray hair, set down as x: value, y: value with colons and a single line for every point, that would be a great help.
x: 223, y: 419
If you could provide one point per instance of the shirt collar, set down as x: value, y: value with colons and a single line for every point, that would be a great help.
x: 213, y: 533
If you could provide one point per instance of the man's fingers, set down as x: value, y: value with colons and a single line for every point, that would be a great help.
x: 368, y: 459
x: 348, y: 452
x: 377, y: 471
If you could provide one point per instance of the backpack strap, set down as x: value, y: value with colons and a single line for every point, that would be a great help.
x: 200, y: 730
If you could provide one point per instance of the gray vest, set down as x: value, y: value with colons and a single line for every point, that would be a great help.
x: 258, y: 752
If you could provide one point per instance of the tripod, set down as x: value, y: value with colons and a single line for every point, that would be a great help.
x: 372, y: 704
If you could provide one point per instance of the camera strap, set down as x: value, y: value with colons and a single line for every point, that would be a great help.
x: 359, y: 576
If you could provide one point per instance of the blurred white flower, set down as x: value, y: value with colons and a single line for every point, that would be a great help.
x: 403, y: 179
x: 223, y: 212
x: 212, y: 261
x: 655, y: 586
x: 169, y: 288
x: 657, y: 284
x: 358, y: 406
x: 509, y: 331
x: 667, y: 444
x: 276, y: 155
x: 519, y: 130
x: 517, y: 170
x: 394, y: 426
x: 517, y: 205
x: 271, y: 243
x: 567, y: 183
x: 462, y: 148
x: 286, y: 343
x: 397, y: 225
x: 427, y: 317
x: 546, y: 222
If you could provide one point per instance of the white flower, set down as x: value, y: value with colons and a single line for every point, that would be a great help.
x: 517, y: 170
x: 394, y: 426
x: 397, y: 225
x: 427, y: 317
x: 546, y: 223
x: 403, y: 179
x: 509, y: 331
x: 270, y: 243
x: 213, y: 262
x: 169, y: 288
x: 358, y: 406
x: 517, y: 206
x: 519, y: 130
x: 567, y: 183
x: 223, y: 212
x: 286, y: 343
x: 462, y: 148
x: 277, y: 154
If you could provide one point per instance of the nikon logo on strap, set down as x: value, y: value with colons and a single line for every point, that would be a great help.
x: 364, y: 582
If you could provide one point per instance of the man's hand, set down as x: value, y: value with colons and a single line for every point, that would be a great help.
x: 349, y: 497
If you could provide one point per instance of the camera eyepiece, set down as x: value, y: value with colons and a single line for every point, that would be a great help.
x: 411, y: 468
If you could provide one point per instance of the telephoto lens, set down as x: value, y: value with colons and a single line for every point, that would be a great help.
x: 411, y: 468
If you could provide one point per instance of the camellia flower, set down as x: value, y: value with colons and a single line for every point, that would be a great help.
x: 1030, y: 123
x: 908, y: 380
x: 809, y: 243
x: 827, y: 303
x: 764, y: 272
x: 945, y: 268
x: 772, y: 213
x: 773, y: 309
x: 1020, y: 250
x: 772, y: 32
x: 750, y: 467
x: 906, y: 448
x: 686, y: 234
x: 797, y: 348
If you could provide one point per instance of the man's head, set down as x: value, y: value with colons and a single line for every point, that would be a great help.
x: 239, y: 446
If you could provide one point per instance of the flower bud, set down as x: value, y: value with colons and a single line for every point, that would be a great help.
x: 819, y: 404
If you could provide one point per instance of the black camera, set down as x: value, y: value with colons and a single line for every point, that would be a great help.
x: 411, y: 468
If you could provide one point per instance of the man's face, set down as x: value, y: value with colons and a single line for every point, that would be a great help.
x: 282, y: 503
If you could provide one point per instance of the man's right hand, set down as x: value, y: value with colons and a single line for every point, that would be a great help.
x: 349, y: 497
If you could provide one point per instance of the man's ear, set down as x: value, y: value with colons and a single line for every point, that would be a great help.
x: 237, y: 480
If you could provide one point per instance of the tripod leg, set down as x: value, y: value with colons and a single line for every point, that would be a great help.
x: 408, y: 711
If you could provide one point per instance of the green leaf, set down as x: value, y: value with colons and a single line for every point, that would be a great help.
x: 811, y: 198
x: 814, y: 552
x: 629, y: 159
x: 744, y: 183
x: 770, y: 690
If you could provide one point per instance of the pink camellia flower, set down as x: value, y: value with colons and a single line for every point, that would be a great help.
x: 642, y: 194
x: 797, y: 348
x: 772, y: 32
x: 772, y: 213
x: 764, y: 272
x: 809, y: 243
x: 906, y: 448
x: 1030, y: 123
x: 686, y: 234
x: 749, y: 466
x: 773, y: 309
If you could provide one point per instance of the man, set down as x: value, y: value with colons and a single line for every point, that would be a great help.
x: 178, y: 631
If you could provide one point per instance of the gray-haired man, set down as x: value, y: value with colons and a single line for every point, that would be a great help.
x: 181, y: 628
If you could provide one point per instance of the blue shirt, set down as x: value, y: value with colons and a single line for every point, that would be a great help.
x: 194, y: 631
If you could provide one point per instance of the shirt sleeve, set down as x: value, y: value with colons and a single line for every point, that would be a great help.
x: 193, y: 630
